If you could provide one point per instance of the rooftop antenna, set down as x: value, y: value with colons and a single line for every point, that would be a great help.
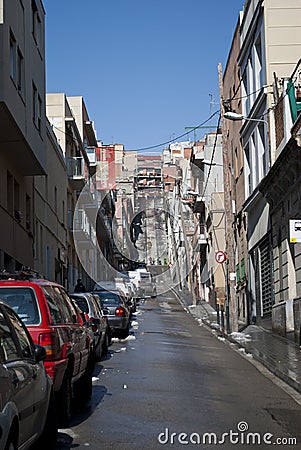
x: 212, y: 102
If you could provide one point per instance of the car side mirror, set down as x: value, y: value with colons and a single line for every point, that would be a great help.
x: 105, y: 312
x: 40, y: 352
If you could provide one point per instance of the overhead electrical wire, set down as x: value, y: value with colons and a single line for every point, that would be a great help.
x: 177, y: 137
x: 162, y: 144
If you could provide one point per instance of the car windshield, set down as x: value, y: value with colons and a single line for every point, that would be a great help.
x: 23, y: 301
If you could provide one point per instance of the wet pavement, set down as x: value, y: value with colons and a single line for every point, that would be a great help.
x: 279, y: 355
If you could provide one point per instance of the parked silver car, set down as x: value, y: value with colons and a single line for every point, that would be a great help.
x: 27, y: 412
x: 117, y: 312
x: 96, y: 320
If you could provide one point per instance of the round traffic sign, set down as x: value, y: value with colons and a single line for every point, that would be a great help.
x: 220, y: 256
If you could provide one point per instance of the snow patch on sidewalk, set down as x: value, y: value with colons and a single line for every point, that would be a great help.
x: 241, y: 337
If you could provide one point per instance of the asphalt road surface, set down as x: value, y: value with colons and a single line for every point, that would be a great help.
x: 173, y: 384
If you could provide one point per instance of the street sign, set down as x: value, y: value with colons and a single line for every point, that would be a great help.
x: 295, y: 230
x: 220, y: 256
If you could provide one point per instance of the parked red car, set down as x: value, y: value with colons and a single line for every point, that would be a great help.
x: 55, y: 323
x: 27, y: 413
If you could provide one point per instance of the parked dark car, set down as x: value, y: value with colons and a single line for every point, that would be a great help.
x: 27, y: 413
x: 96, y: 320
x: 119, y: 284
x: 53, y: 322
x: 117, y: 312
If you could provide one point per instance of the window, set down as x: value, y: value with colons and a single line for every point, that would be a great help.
x: 20, y: 72
x: 36, y: 23
x: 9, y: 192
x: 16, y: 62
x: 36, y: 241
x: 247, y: 166
x: 70, y: 304
x: 63, y: 305
x: 28, y: 213
x: 24, y: 341
x: 39, y: 113
x: 12, y: 56
x: 18, y: 214
x: 262, y: 144
x: 9, y: 350
x: 258, y: 63
x: 41, y: 243
x: 23, y: 302
x: 54, y: 310
x: 34, y: 102
x: 36, y: 107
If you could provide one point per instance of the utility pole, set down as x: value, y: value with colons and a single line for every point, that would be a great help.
x: 229, y: 231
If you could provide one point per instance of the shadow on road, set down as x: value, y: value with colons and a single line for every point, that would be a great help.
x: 82, y: 413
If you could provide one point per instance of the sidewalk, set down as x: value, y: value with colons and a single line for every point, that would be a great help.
x: 281, y: 356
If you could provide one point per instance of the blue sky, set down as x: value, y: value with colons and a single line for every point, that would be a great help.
x: 146, y: 68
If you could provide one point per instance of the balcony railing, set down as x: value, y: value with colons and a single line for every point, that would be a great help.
x: 76, y: 172
x: 83, y: 232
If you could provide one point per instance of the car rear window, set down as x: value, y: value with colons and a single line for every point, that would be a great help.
x: 23, y: 301
x: 109, y: 299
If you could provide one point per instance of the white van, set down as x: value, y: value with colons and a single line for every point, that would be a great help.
x: 144, y: 283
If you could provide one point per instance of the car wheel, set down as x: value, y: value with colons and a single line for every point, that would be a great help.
x: 65, y: 400
x: 11, y: 443
x: 98, y: 352
x: 48, y: 439
x: 124, y: 334
x: 83, y: 387
x: 105, y: 345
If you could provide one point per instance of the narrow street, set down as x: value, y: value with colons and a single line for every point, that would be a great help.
x: 173, y: 376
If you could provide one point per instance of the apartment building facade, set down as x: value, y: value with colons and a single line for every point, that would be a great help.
x: 50, y: 215
x: 281, y: 189
x: 81, y: 235
x: 23, y: 140
x: 268, y: 52
x: 208, y: 208
x: 232, y: 101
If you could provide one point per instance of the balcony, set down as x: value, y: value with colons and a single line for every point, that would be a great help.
x: 76, y: 172
x: 88, y: 202
x: 91, y: 153
x: 91, y: 207
x: 83, y: 233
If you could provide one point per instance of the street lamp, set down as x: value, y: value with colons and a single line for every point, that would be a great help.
x: 231, y: 115
x: 206, y: 162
